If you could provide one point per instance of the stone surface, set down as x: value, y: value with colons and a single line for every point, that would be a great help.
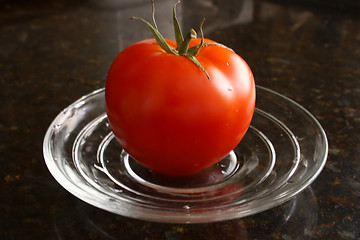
x: 53, y: 52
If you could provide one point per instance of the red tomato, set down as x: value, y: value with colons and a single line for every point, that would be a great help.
x: 168, y: 115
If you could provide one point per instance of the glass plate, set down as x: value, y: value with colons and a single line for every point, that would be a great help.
x: 282, y: 153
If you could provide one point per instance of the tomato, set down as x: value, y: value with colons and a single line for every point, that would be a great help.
x: 176, y: 117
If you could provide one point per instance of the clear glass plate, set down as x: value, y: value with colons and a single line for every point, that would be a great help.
x: 282, y: 153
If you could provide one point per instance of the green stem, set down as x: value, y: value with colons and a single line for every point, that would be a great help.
x: 178, y: 33
x: 159, y: 38
x: 194, y: 60
x: 182, y: 47
x: 153, y: 13
x: 185, y: 45
x: 195, y: 50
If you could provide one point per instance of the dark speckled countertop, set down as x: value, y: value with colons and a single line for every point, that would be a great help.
x: 53, y: 52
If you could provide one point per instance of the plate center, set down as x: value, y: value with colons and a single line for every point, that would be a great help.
x: 206, y: 178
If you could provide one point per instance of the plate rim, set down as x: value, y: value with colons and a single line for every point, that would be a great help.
x: 136, y: 211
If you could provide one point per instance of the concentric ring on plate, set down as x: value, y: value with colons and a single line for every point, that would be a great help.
x: 283, y: 151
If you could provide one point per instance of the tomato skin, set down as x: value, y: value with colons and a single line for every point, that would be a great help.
x: 168, y: 115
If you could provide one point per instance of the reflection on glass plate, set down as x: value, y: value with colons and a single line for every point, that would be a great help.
x: 295, y: 219
x: 283, y: 151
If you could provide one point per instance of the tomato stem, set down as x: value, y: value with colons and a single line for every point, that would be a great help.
x: 195, y: 49
x: 159, y: 38
x: 153, y: 13
x: 185, y: 44
x: 182, y: 47
x: 177, y: 29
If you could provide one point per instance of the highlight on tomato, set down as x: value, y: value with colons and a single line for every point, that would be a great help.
x: 178, y: 107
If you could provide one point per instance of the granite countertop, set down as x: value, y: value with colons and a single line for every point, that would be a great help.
x: 54, y: 52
